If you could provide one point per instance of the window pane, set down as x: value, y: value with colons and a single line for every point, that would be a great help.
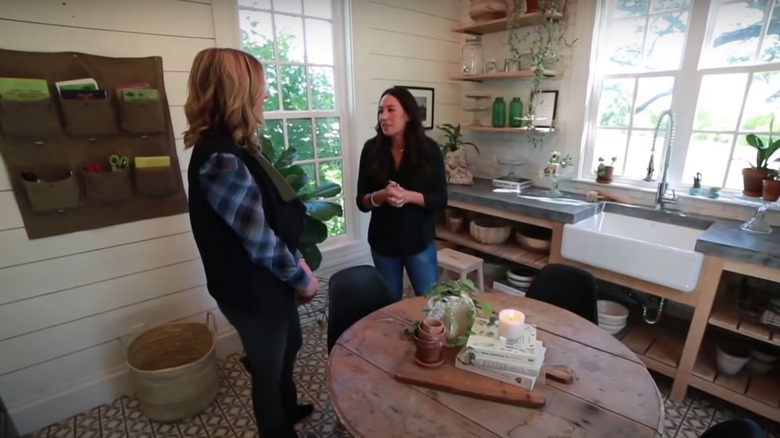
x: 615, y: 104
x: 294, y: 95
x: 318, y: 8
x: 735, y: 33
x: 330, y: 171
x: 668, y: 5
x: 623, y: 47
x: 628, y: 8
x: 770, y: 49
x: 259, y: 4
x: 744, y: 156
x: 289, y: 35
x: 328, y: 137
x: 256, y: 34
x: 720, y: 99
x: 610, y: 143
x: 709, y: 155
x: 762, y: 101
x: 319, y: 42
x: 291, y: 6
x: 308, y: 168
x: 271, y: 89
x: 639, y: 146
x: 323, y: 92
x: 299, y: 134
x: 337, y: 226
x: 666, y: 41
x: 654, y: 95
x: 274, y: 130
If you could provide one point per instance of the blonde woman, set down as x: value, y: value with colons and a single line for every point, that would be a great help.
x: 247, y: 221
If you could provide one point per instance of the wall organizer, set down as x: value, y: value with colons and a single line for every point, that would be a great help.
x: 59, y: 151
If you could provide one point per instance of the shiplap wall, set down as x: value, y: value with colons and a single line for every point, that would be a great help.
x: 65, y: 300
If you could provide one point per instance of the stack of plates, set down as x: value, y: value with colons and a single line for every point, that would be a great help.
x: 520, y: 277
x: 612, y: 316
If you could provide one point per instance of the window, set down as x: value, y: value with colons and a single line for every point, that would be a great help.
x: 296, y: 42
x: 715, y: 63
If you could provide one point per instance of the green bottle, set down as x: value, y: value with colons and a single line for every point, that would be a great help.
x: 499, y: 112
x: 515, y: 112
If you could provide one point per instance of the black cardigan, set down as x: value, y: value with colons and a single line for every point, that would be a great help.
x: 409, y: 229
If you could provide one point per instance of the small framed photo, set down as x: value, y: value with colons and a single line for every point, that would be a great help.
x: 424, y: 97
x: 546, y: 108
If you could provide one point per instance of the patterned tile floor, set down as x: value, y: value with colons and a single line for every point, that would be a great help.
x: 230, y: 416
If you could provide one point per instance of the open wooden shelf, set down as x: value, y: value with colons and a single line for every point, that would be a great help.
x: 760, y: 394
x: 507, y: 250
x: 519, y: 74
x: 485, y: 128
x: 493, y: 26
x: 659, y: 346
x: 727, y: 318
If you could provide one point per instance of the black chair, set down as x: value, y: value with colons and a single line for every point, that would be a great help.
x: 742, y: 428
x: 354, y: 293
x: 567, y: 287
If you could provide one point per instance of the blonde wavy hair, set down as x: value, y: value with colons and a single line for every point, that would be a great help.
x: 224, y: 88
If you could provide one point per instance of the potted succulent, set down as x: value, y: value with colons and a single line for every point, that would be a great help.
x: 454, y: 152
x: 771, y: 189
x: 753, y: 176
x: 604, y: 171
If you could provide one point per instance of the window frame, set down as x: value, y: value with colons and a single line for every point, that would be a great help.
x: 340, y: 110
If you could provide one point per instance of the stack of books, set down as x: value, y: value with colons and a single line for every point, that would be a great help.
x: 518, y: 364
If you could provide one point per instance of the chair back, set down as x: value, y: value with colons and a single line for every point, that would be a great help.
x: 354, y: 293
x: 741, y: 427
x: 567, y: 287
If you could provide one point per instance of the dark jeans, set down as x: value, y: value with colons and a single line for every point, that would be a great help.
x: 271, y: 346
x: 422, y: 269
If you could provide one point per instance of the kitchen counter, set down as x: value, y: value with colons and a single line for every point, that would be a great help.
x: 725, y: 239
x: 531, y: 202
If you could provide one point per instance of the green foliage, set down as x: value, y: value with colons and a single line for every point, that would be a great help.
x: 454, y: 138
x: 601, y: 170
x: 318, y: 209
x: 764, y: 151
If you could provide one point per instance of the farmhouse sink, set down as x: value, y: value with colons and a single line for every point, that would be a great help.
x: 656, y: 249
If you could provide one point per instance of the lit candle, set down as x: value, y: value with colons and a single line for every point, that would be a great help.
x: 510, y: 325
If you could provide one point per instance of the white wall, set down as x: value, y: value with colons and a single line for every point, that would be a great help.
x: 64, y: 300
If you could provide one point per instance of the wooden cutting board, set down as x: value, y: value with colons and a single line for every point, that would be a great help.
x: 449, y: 378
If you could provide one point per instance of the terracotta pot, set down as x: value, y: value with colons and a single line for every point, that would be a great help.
x: 752, y: 182
x: 771, y: 190
x: 428, y: 352
x: 607, y: 177
x: 433, y: 326
x: 425, y: 336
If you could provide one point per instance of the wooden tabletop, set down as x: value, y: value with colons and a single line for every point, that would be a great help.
x: 613, y: 396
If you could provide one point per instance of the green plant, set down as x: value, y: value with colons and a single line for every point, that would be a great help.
x: 601, y: 170
x: 454, y: 138
x: 764, y: 151
x: 318, y: 209
x: 557, y: 161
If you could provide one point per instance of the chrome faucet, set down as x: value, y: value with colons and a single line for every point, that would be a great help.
x: 661, y: 197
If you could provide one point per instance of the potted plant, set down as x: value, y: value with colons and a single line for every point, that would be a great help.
x: 696, y: 189
x: 753, y: 176
x: 454, y: 152
x: 555, y: 169
x: 604, y: 171
x: 771, y: 189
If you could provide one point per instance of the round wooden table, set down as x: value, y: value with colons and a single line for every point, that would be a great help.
x: 612, y: 396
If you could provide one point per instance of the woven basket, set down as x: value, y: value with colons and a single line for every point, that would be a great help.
x: 174, y: 369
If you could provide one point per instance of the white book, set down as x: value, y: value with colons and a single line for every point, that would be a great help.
x: 501, y: 364
x: 464, y: 361
x: 484, y: 341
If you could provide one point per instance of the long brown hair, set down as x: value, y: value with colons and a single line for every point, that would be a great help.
x: 224, y: 87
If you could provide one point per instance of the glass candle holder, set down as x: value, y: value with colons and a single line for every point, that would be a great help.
x: 511, y: 324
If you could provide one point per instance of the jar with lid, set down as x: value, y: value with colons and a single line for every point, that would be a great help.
x: 473, y: 58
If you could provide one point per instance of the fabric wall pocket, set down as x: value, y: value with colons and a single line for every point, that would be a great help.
x: 52, y: 189
x: 142, y: 117
x: 155, y: 181
x: 109, y: 187
x: 91, y: 117
x: 33, y: 120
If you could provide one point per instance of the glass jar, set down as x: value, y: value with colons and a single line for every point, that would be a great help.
x: 515, y: 112
x: 473, y: 58
x: 499, y: 113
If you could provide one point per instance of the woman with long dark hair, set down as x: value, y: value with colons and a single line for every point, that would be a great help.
x: 401, y: 181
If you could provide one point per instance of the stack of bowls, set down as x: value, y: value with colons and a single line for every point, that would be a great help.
x: 732, y: 356
x: 762, y: 359
x: 520, y: 277
x: 613, y: 316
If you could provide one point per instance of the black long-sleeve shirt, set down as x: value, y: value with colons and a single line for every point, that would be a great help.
x: 407, y: 230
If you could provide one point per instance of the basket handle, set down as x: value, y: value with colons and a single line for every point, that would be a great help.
x: 210, y: 317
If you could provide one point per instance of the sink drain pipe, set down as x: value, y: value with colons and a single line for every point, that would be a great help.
x: 644, y: 302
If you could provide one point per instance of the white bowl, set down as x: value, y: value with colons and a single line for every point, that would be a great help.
x: 764, y: 355
x: 612, y: 329
x: 730, y: 364
x: 757, y: 367
x: 520, y: 274
x: 611, y: 312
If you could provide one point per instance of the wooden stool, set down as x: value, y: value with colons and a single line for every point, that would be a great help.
x: 462, y: 264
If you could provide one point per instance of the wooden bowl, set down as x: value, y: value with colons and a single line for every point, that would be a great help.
x: 489, y: 231
x: 533, y: 238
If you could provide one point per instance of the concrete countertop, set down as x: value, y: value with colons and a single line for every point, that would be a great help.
x: 726, y: 239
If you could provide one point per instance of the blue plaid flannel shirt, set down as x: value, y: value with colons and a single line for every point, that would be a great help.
x: 233, y: 194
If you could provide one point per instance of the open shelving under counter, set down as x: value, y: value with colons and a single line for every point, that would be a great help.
x: 728, y: 318
x: 507, y: 250
x: 492, y: 26
x: 659, y: 346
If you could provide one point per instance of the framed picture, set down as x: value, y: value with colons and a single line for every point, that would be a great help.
x: 546, y: 106
x: 424, y: 97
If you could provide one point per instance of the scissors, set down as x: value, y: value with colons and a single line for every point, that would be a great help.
x: 118, y: 162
